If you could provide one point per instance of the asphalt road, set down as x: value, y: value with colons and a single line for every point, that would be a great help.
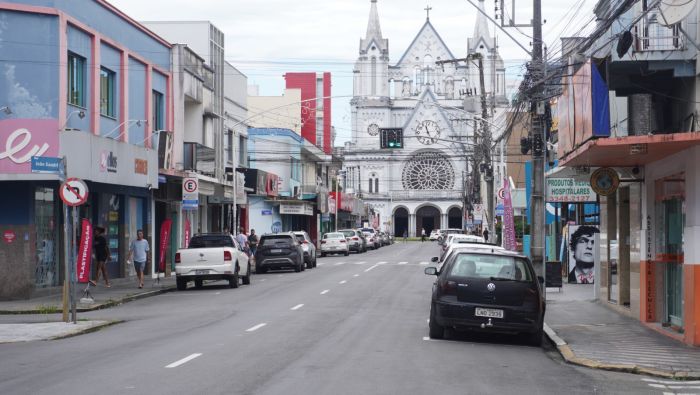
x: 353, y: 325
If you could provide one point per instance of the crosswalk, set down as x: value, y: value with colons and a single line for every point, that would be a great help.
x: 669, y: 387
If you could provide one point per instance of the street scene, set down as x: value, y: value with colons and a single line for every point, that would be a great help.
x: 366, y: 197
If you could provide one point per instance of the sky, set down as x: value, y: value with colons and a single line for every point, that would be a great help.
x: 267, y: 38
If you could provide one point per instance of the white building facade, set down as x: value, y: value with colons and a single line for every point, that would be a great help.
x: 418, y: 184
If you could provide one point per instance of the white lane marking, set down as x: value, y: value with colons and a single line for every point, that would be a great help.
x: 425, y: 263
x: 340, y: 263
x: 256, y: 327
x: 262, y: 279
x: 381, y: 263
x: 297, y: 307
x: 426, y: 338
x: 342, y: 282
x: 321, y: 263
x: 218, y: 293
x: 360, y: 263
x: 183, y: 360
x: 356, y: 275
x: 370, y: 268
x: 696, y: 382
x: 325, y: 291
x: 402, y: 263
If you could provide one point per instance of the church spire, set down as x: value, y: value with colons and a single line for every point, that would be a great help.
x: 373, y: 28
x: 481, y: 28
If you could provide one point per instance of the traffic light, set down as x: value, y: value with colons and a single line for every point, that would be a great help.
x: 391, y: 138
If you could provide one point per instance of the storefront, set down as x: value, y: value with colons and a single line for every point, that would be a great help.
x: 262, y: 214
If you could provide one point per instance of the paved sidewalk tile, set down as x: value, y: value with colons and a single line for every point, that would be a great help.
x: 11, y: 333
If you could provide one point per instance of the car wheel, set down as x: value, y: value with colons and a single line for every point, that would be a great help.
x: 181, y: 284
x: 246, y: 278
x: 309, y: 265
x: 297, y: 268
x: 198, y: 283
x: 233, y: 281
x: 347, y: 253
x: 435, y: 331
x: 323, y: 255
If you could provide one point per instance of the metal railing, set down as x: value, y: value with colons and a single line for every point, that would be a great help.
x: 650, y: 35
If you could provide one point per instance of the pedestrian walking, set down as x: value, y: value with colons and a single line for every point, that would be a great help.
x: 405, y: 235
x: 253, y: 242
x: 102, y: 256
x: 243, y: 240
x: 422, y: 235
x: 486, y: 235
x: 138, y: 251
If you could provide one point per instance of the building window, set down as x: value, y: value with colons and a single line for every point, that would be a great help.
x: 319, y: 132
x: 76, y: 80
x: 158, y: 111
x: 370, y: 185
x: 376, y: 185
x: 243, y: 151
x: 107, y: 94
x: 296, y: 169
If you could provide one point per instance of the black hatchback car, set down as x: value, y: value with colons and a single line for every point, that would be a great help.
x: 279, y: 251
x: 487, y: 290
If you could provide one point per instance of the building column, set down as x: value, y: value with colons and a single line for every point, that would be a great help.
x: 411, y: 225
x: 444, y: 221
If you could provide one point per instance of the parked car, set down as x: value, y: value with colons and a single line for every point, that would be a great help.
x: 383, y: 238
x: 356, y: 240
x: 334, y: 243
x: 446, y: 232
x: 434, y: 235
x: 211, y: 256
x: 279, y: 251
x: 488, y: 290
x: 372, y: 239
x: 308, y: 247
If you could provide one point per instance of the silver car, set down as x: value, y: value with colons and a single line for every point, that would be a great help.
x: 307, y: 245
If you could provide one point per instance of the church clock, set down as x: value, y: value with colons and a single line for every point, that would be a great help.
x: 428, y: 132
x: 373, y: 129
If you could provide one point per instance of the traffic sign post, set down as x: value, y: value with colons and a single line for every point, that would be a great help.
x: 190, y: 193
x: 73, y: 192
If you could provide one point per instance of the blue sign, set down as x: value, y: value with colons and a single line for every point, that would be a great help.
x: 47, y: 164
x: 266, y: 212
x: 276, y: 227
x: 190, y: 204
x: 325, y: 217
x: 499, y: 210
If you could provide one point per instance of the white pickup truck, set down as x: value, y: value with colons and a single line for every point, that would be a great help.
x: 211, y: 256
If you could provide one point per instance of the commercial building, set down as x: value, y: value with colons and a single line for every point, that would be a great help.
x: 315, y: 108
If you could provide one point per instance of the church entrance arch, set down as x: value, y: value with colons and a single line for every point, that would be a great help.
x: 428, y: 218
x: 454, y: 218
x: 400, y: 221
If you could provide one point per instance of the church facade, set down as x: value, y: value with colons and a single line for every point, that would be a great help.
x: 415, y: 179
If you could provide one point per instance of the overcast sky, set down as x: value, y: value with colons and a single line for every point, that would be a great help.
x: 267, y: 38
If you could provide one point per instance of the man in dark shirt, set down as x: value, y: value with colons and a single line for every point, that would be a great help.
x: 101, y: 250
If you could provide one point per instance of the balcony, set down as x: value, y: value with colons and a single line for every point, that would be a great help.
x: 650, y: 35
x: 427, y: 194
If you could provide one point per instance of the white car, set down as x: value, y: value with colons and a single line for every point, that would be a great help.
x: 211, y: 256
x: 464, y: 244
x: 334, y: 243
x: 434, y: 235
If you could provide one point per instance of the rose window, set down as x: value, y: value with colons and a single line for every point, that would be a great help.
x: 428, y: 170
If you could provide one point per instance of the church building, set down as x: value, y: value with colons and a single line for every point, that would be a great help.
x: 413, y: 126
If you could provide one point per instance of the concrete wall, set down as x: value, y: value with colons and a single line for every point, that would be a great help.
x: 276, y: 111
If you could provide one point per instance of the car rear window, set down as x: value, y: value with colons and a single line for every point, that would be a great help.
x: 301, y: 238
x: 348, y: 233
x: 211, y: 241
x: 276, y: 240
x: 488, y: 266
x: 334, y: 236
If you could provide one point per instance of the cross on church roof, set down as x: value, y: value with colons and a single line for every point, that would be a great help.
x: 427, y: 9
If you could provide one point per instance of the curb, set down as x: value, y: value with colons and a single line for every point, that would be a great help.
x: 570, y: 357
x: 98, y: 306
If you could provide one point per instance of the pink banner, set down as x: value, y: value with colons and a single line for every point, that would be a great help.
x: 84, y: 252
x: 187, y: 233
x: 20, y: 139
x: 509, y: 242
x: 164, y: 242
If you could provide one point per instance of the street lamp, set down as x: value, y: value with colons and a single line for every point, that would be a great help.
x: 128, y: 123
x: 81, y: 115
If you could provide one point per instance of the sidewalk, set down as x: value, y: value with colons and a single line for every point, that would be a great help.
x: 40, y: 318
x: 587, y: 333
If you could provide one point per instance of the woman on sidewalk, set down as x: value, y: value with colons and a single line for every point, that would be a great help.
x: 102, y: 256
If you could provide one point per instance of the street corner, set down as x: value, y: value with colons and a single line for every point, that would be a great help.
x: 27, y: 332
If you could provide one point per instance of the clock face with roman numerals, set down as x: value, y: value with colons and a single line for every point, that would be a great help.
x: 428, y: 132
x: 373, y: 129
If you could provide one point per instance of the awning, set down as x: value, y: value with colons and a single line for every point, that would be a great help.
x: 629, y: 151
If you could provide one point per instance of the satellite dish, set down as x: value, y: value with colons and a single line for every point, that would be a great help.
x: 674, y: 11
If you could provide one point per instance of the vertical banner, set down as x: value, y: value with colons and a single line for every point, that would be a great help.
x: 508, y: 221
x: 187, y: 232
x: 583, y: 255
x: 84, y: 252
x: 164, y: 242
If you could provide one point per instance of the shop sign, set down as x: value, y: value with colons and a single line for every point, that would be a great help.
x: 296, y: 209
x: 605, y: 181
x: 568, y: 190
x: 266, y: 212
x: 108, y: 162
x: 332, y: 207
x: 276, y: 227
x: 9, y: 236
x: 21, y: 139
x: 500, y: 210
x: 141, y: 166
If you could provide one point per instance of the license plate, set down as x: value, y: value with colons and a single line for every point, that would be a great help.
x: 490, y: 313
x: 201, y: 272
x: 275, y: 251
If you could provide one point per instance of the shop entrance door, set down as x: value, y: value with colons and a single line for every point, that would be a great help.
x: 673, y: 276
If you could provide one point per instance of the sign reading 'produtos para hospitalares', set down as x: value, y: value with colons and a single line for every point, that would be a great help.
x: 568, y: 190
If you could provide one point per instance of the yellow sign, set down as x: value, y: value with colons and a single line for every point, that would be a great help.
x: 605, y: 181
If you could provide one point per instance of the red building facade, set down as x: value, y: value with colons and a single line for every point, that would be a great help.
x: 315, y: 107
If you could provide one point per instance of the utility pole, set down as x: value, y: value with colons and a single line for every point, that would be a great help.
x: 538, y: 143
x: 486, y: 147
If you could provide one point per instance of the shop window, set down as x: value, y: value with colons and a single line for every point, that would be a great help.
x: 76, y: 80
x: 47, y: 271
x: 107, y: 93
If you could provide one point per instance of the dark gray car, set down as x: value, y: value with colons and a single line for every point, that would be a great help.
x: 279, y: 251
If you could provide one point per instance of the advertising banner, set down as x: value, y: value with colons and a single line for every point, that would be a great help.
x: 84, y: 252
x: 509, y: 242
x: 21, y: 139
x: 188, y: 232
x: 583, y: 253
x: 568, y: 190
x: 164, y: 243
